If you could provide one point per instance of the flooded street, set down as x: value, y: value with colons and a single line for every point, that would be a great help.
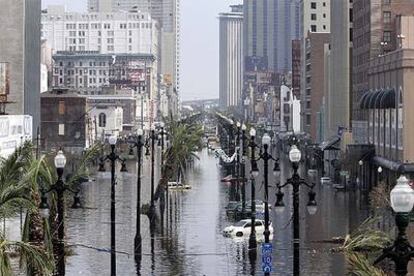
x: 191, y: 241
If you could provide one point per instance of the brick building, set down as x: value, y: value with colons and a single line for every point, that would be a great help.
x: 64, y: 121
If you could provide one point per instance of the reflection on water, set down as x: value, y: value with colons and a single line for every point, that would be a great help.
x: 191, y: 240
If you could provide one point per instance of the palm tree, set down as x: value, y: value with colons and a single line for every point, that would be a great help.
x: 15, y: 193
x: 41, y: 175
x: 185, y: 141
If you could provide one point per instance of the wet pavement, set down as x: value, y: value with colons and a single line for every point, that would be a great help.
x: 191, y: 242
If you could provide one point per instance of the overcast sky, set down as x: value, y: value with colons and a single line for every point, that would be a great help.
x: 199, y: 44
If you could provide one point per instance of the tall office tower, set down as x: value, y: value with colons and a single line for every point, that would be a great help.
x: 269, y: 28
x: 167, y: 13
x: 375, y: 34
x: 337, y: 95
x: 231, y: 57
x: 20, y: 56
x: 315, y: 19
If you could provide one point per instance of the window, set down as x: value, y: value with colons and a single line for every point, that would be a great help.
x: 110, y: 40
x: 313, y: 5
x: 387, y: 2
x: 61, y: 130
x: 313, y: 28
x: 313, y: 16
x: 308, y: 119
x: 324, y: 4
x: 386, y: 17
x: 324, y: 15
x: 61, y: 107
x: 324, y: 27
x: 387, y: 36
x: 308, y: 104
x: 102, y: 120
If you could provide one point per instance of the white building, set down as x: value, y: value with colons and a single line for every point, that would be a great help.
x: 107, y: 33
x: 44, y: 79
x: 231, y: 57
x: 14, y: 131
x: 108, y: 121
x: 167, y: 13
x: 289, y: 110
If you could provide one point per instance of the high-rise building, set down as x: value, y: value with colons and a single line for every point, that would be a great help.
x: 337, y: 91
x: 231, y: 57
x: 167, y: 13
x: 269, y: 28
x: 315, y: 18
x: 375, y: 34
x: 107, y: 33
x: 20, y: 55
x: 314, y: 82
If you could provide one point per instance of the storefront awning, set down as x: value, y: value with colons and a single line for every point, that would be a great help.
x: 393, y: 165
x: 378, y: 99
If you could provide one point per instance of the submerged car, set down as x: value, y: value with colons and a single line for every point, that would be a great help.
x: 243, y: 228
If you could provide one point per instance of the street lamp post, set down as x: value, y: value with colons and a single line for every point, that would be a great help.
x: 402, y: 202
x: 59, y: 188
x: 113, y: 157
x: 361, y: 174
x: 243, y: 167
x: 152, y: 137
x: 254, y: 172
x: 138, y: 144
x: 266, y: 157
x: 379, y: 170
x: 296, y: 181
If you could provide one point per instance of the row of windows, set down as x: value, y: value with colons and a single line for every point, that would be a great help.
x: 314, y: 16
x: 314, y: 5
x: 314, y: 28
x: 97, y: 26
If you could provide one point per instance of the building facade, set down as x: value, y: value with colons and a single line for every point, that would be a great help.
x: 20, y: 58
x: 315, y: 18
x: 167, y: 14
x: 90, y: 69
x: 269, y: 28
x: 231, y: 57
x: 106, y: 33
x: 313, y: 86
x: 64, y: 121
x: 375, y: 34
x: 339, y: 54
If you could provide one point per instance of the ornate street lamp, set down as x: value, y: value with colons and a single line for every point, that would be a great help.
x: 113, y: 157
x: 138, y: 143
x: 59, y: 188
x: 266, y: 157
x: 402, y: 202
x: 296, y: 181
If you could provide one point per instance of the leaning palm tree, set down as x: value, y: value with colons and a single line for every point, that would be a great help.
x: 14, y: 195
x: 185, y: 141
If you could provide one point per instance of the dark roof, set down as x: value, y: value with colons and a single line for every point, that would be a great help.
x: 378, y: 99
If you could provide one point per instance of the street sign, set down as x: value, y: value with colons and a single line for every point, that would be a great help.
x: 267, y: 257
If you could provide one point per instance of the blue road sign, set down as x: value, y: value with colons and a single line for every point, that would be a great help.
x: 260, y: 215
x: 267, y: 257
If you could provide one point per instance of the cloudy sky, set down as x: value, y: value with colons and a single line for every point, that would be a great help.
x: 199, y: 44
